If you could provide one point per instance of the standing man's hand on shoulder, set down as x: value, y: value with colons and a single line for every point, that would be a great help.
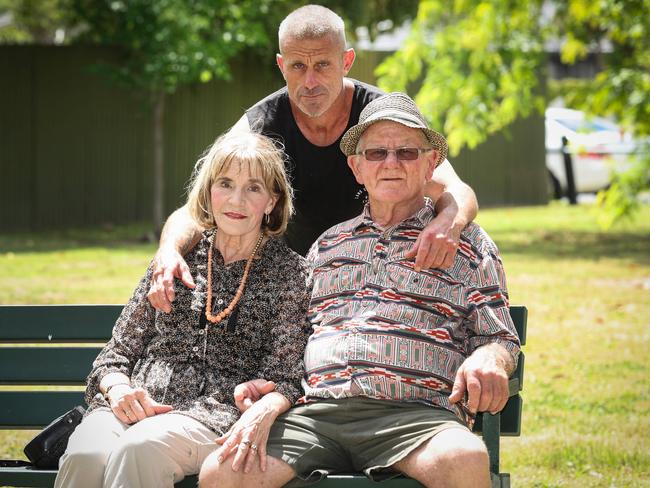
x: 456, y: 206
x: 168, y: 265
x: 436, y: 245
x: 179, y: 235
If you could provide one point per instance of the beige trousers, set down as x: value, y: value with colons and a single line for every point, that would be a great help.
x: 156, y: 452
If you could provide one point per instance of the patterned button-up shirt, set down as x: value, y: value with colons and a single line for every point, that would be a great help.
x: 383, y: 330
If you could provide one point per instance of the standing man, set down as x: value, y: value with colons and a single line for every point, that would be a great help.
x: 309, y: 117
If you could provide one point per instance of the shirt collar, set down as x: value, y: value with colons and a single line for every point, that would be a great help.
x: 422, y: 217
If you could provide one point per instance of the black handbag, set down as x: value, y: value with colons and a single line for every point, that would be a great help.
x: 48, y: 446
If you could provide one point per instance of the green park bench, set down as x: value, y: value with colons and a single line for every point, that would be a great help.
x: 42, y: 346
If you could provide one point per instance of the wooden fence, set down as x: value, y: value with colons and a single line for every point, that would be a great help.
x: 76, y: 151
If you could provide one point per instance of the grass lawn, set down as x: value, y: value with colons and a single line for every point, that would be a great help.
x: 587, y: 385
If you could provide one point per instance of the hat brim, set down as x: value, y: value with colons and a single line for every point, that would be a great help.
x: 350, y: 139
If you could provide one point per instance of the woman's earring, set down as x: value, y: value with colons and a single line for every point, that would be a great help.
x: 267, y: 219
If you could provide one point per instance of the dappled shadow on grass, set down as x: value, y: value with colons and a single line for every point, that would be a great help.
x: 577, y: 245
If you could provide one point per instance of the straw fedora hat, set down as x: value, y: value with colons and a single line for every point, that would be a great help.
x: 397, y: 107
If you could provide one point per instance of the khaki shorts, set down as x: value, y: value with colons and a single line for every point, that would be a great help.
x: 353, y: 434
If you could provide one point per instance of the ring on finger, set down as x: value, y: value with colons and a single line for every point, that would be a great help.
x: 246, y: 442
x: 254, y: 447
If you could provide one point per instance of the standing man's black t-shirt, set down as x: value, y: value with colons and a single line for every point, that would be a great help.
x: 326, y: 192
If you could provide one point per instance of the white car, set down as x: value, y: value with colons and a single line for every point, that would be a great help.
x: 596, y: 146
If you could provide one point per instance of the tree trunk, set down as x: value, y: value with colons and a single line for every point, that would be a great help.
x: 158, y: 162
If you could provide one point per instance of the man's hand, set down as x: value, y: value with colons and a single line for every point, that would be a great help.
x: 485, y: 378
x: 456, y: 206
x: 249, y: 392
x: 168, y: 264
x: 436, y: 245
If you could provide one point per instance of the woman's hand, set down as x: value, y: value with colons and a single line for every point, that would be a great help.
x: 131, y: 405
x: 246, y: 439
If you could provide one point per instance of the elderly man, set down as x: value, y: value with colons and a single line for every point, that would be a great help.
x: 399, y: 360
x: 308, y: 117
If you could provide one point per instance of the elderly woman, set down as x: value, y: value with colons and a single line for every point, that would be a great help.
x: 161, y: 391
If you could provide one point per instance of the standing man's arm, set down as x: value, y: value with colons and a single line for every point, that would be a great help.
x: 179, y: 235
x: 456, y: 206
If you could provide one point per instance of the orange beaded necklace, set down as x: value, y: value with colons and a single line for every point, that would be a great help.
x: 215, y: 319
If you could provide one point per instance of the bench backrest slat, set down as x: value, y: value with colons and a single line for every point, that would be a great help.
x: 46, y: 365
x: 57, y: 323
x: 35, y: 409
x: 89, y: 323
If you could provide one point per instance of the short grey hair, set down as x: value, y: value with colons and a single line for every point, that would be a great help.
x: 312, y: 22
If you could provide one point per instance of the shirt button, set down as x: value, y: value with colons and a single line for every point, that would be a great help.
x: 201, y: 331
x: 195, y: 348
x: 220, y: 302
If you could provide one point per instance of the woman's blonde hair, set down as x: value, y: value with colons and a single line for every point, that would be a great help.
x: 262, y: 157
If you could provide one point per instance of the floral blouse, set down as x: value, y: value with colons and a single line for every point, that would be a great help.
x: 183, y: 360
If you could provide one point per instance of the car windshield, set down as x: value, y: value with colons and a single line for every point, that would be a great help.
x: 591, y: 125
